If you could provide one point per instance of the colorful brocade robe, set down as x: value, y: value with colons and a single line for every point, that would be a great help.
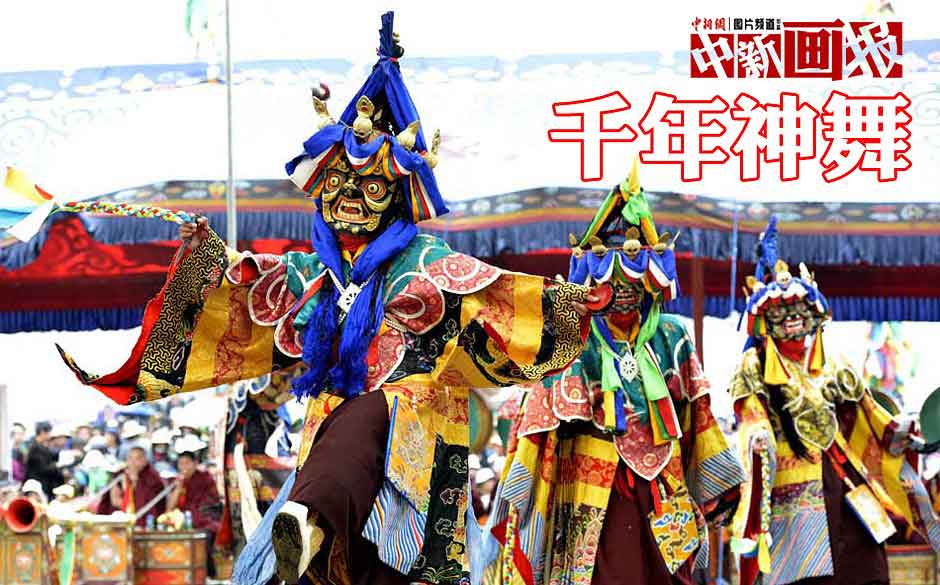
x: 254, y: 419
x: 832, y: 411
x: 562, y: 462
x: 451, y: 323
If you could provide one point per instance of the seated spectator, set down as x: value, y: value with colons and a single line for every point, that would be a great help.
x: 18, y: 442
x: 112, y: 448
x: 140, y: 483
x: 133, y: 435
x: 95, y: 469
x: 162, y: 461
x: 196, y: 493
x: 32, y: 489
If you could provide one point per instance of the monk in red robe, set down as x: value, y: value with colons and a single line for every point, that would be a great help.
x: 196, y: 493
x: 139, y: 485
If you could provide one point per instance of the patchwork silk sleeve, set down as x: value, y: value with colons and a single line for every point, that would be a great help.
x: 751, y: 525
x: 894, y: 481
x: 516, y: 330
x: 203, y: 328
x: 712, y: 469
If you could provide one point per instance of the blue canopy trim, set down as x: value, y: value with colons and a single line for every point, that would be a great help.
x: 537, y: 219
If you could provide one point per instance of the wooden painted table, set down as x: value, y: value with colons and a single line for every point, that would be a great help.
x: 170, y: 558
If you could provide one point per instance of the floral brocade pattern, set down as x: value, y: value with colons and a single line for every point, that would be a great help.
x: 792, y: 499
x: 810, y: 400
x: 164, y: 358
x: 575, y: 545
x: 410, y: 455
x: 674, y: 529
x: 444, y: 550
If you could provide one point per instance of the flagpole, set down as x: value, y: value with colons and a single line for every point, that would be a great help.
x: 231, y: 213
x: 732, y: 288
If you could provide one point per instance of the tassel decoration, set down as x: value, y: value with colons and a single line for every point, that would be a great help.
x: 774, y: 371
x: 817, y: 354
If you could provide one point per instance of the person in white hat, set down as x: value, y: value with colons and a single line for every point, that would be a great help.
x: 485, y: 487
x: 64, y: 492
x: 61, y: 507
x: 188, y: 444
x: 32, y: 489
x: 95, y: 467
x: 163, y: 458
x: 132, y: 435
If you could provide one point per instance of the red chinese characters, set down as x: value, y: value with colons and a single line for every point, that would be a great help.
x: 783, y: 133
x: 853, y: 133
x: 866, y: 133
x: 761, y: 48
x: 687, y: 133
x: 597, y: 125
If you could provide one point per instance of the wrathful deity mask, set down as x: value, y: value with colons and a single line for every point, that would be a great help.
x: 355, y: 202
x: 628, y: 296
x: 792, y: 321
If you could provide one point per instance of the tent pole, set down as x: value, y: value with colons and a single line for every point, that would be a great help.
x: 698, y: 306
x: 734, y: 259
x: 6, y: 447
x: 231, y: 213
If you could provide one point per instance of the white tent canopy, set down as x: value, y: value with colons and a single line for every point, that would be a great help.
x: 493, y: 110
x: 49, y: 34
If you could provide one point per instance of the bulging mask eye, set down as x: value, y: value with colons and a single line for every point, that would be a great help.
x: 374, y: 189
x: 776, y: 313
x: 334, y: 180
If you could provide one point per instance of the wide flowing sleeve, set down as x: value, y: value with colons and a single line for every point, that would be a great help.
x: 516, y: 330
x: 751, y: 526
x: 215, y: 321
x: 713, y: 472
x: 887, y: 468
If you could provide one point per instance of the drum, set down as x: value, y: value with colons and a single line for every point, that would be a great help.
x: 481, y: 423
x: 99, y: 553
x: 165, y: 558
x: 912, y: 564
x: 24, y: 557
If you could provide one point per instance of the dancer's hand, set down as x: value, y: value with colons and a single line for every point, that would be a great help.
x: 598, y: 299
x: 761, y: 444
x: 582, y: 309
x: 194, y: 233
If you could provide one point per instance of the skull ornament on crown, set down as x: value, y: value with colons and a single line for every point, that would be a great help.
x: 372, y: 166
x: 622, y: 248
x: 783, y: 309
